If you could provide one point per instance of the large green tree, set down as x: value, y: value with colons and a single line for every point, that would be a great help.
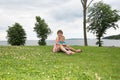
x: 16, y: 35
x: 42, y: 30
x: 101, y: 17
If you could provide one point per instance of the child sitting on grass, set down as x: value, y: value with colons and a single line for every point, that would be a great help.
x: 63, y: 43
x: 60, y: 44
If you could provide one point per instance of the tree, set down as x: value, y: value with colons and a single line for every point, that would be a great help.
x: 85, y: 6
x: 101, y: 17
x: 42, y: 30
x: 16, y: 35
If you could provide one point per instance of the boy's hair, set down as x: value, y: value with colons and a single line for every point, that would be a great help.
x: 60, y: 31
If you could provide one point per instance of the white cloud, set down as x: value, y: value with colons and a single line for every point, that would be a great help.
x: 2, y: 35
x: 59, y: 14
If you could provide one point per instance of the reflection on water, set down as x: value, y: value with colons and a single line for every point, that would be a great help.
x: 91, y: 42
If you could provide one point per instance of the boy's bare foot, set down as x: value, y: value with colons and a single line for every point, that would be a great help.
x: 72, y: 52
x: 68, y: 52
x: 79, y: 50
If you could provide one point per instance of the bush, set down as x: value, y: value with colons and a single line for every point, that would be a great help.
x: 16, y: 35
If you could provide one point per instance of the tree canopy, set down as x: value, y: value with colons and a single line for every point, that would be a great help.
x: 101, y: 17
x: 16, y: 35
x: 42, y: 30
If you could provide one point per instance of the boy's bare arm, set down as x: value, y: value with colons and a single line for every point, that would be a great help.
x: 56, y: 41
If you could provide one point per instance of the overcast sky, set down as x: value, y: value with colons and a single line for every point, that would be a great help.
x: 58, y: 14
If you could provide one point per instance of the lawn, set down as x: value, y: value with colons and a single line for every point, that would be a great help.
x: 40, y: 63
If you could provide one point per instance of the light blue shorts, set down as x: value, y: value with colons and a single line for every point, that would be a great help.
x: 60, y: 42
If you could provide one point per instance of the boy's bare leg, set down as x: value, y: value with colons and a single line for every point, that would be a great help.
x: 64, y: 50
x: 57, y: 49
x: 72, y: 52
x: 79, y: 50
x: 70, y: 48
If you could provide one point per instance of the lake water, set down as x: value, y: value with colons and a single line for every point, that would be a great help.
x: 91, y: 42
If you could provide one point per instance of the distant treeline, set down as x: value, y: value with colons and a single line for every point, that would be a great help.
x: 113, y: 37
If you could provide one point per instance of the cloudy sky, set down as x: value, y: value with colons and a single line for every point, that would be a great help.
x: 58, y: 14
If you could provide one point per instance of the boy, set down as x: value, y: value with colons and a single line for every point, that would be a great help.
x: 60, y: 44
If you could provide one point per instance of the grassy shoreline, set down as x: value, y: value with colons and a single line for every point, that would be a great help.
x: 40, y: 63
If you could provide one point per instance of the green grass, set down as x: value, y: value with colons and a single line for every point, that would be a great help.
x: 40, y: 63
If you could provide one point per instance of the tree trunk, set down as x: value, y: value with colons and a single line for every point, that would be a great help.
x: 85, y: 6
x: 99, y: 41
x: 84, y: 26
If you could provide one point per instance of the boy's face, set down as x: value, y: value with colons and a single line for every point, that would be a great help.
x: 60, y: 34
